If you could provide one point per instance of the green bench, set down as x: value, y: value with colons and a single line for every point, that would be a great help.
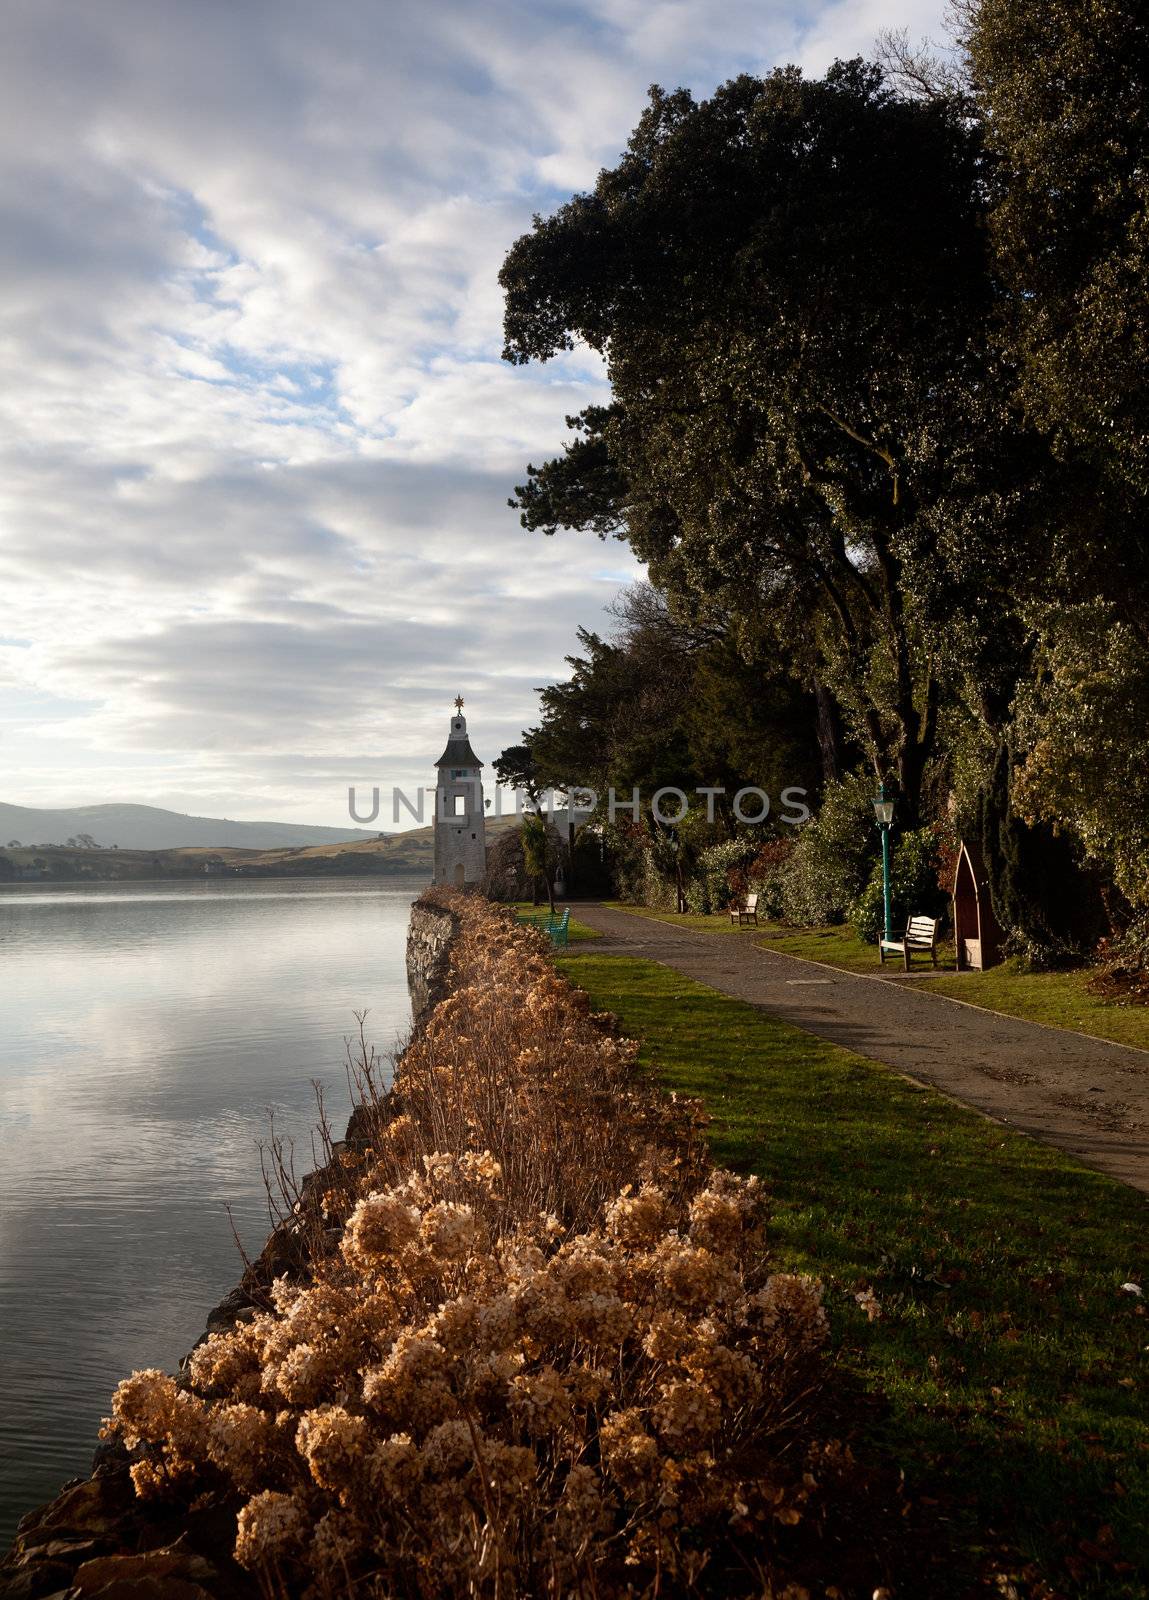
x: 557, y: 926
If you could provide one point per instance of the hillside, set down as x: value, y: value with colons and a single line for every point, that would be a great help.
x: 402, y: 853
x: 132, y: 827
x: 409, y: 852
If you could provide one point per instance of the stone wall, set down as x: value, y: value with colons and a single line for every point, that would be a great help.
x: 429, y: 934
x: 96, y: 1540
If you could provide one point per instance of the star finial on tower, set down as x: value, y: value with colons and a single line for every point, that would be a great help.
x: 458, y: 702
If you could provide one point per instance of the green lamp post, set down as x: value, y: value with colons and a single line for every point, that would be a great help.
x: 884, y: 816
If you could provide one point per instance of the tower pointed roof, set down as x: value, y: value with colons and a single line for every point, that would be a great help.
x: 458, y: 752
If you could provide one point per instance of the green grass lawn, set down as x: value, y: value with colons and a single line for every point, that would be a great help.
x: 1059, y: 999
x: 1013, y: 1364
x: 838, y: 946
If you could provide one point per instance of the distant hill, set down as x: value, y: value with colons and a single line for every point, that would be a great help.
x: 151, y: 828
x: 367, y: 855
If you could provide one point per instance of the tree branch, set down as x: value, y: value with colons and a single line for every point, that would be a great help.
x: 867, y: 444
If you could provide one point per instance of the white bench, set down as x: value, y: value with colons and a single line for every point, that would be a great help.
x: 747, y: 914
x: 921, y: 937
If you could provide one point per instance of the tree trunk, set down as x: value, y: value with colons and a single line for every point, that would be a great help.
x: 829, y: 734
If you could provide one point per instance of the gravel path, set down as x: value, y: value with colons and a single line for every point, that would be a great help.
x: 1083, y: 1095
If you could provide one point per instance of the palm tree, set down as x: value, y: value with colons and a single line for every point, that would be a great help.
x: 535, y: 851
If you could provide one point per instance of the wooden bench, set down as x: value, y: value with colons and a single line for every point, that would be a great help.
x: 746, y: 915
x: 920, y: 937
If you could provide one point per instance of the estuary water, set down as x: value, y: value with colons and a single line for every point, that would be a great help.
x: 147, y: 1034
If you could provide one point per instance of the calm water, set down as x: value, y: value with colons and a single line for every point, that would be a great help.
x: 146, y: 1032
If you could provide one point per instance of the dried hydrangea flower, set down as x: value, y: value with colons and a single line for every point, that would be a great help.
x: 544, y: 1343
x: 270, y: 1527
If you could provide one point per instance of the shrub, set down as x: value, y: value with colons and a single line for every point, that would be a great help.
x: 507, y: 876
x: 544, y: 1353
x: 729, y: 871
x: 716, y: 880
x: 914, y: 885
x: 640, y: 874
x: 766, y: 876
x: 1123, y: 965
x: 833, y: 857
x: 653, y: 887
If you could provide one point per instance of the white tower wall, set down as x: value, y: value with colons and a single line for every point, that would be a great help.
x: 460, y: 816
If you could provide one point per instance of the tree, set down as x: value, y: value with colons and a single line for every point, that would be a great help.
x: 663, y: 704
x: 1063, y: 94
x: 586, y: 489
x: 536, y: 855
x: 789, y: 282
x: 1083, y: 722
x: 1064, y: 90
x: 1051, y: 912
x: 517, y: 769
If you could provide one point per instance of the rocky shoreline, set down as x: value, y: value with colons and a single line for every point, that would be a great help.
x: 95, y: 1539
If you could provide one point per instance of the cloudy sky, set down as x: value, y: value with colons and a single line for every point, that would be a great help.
x: 257, y: 440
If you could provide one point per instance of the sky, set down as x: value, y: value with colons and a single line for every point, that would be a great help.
x: 256, y: 439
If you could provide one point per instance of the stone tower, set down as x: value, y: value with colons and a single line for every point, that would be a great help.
x: 460, y: 823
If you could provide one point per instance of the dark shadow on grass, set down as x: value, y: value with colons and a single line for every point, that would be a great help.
x: 1011, y: 1361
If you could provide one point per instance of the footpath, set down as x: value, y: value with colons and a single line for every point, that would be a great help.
x: 1086, y: 1096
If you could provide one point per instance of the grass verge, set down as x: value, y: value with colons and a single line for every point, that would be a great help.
x: 1057, y: 999
x: 1012, y: 1362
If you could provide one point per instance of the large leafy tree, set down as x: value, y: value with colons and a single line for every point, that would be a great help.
x: 809, y: 430
x: 1064, y: 90
x: 1083, y: 721
x: 664, y: 704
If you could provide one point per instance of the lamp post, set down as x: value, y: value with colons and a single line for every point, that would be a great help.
x: 884, y: 816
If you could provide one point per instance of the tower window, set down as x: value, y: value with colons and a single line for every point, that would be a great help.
x: 459, y: 804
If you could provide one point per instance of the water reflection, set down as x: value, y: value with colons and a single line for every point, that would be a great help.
x: 146, y: 1032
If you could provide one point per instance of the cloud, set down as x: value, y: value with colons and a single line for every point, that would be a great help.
x: 849, y: 28
x: 255, y: 437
